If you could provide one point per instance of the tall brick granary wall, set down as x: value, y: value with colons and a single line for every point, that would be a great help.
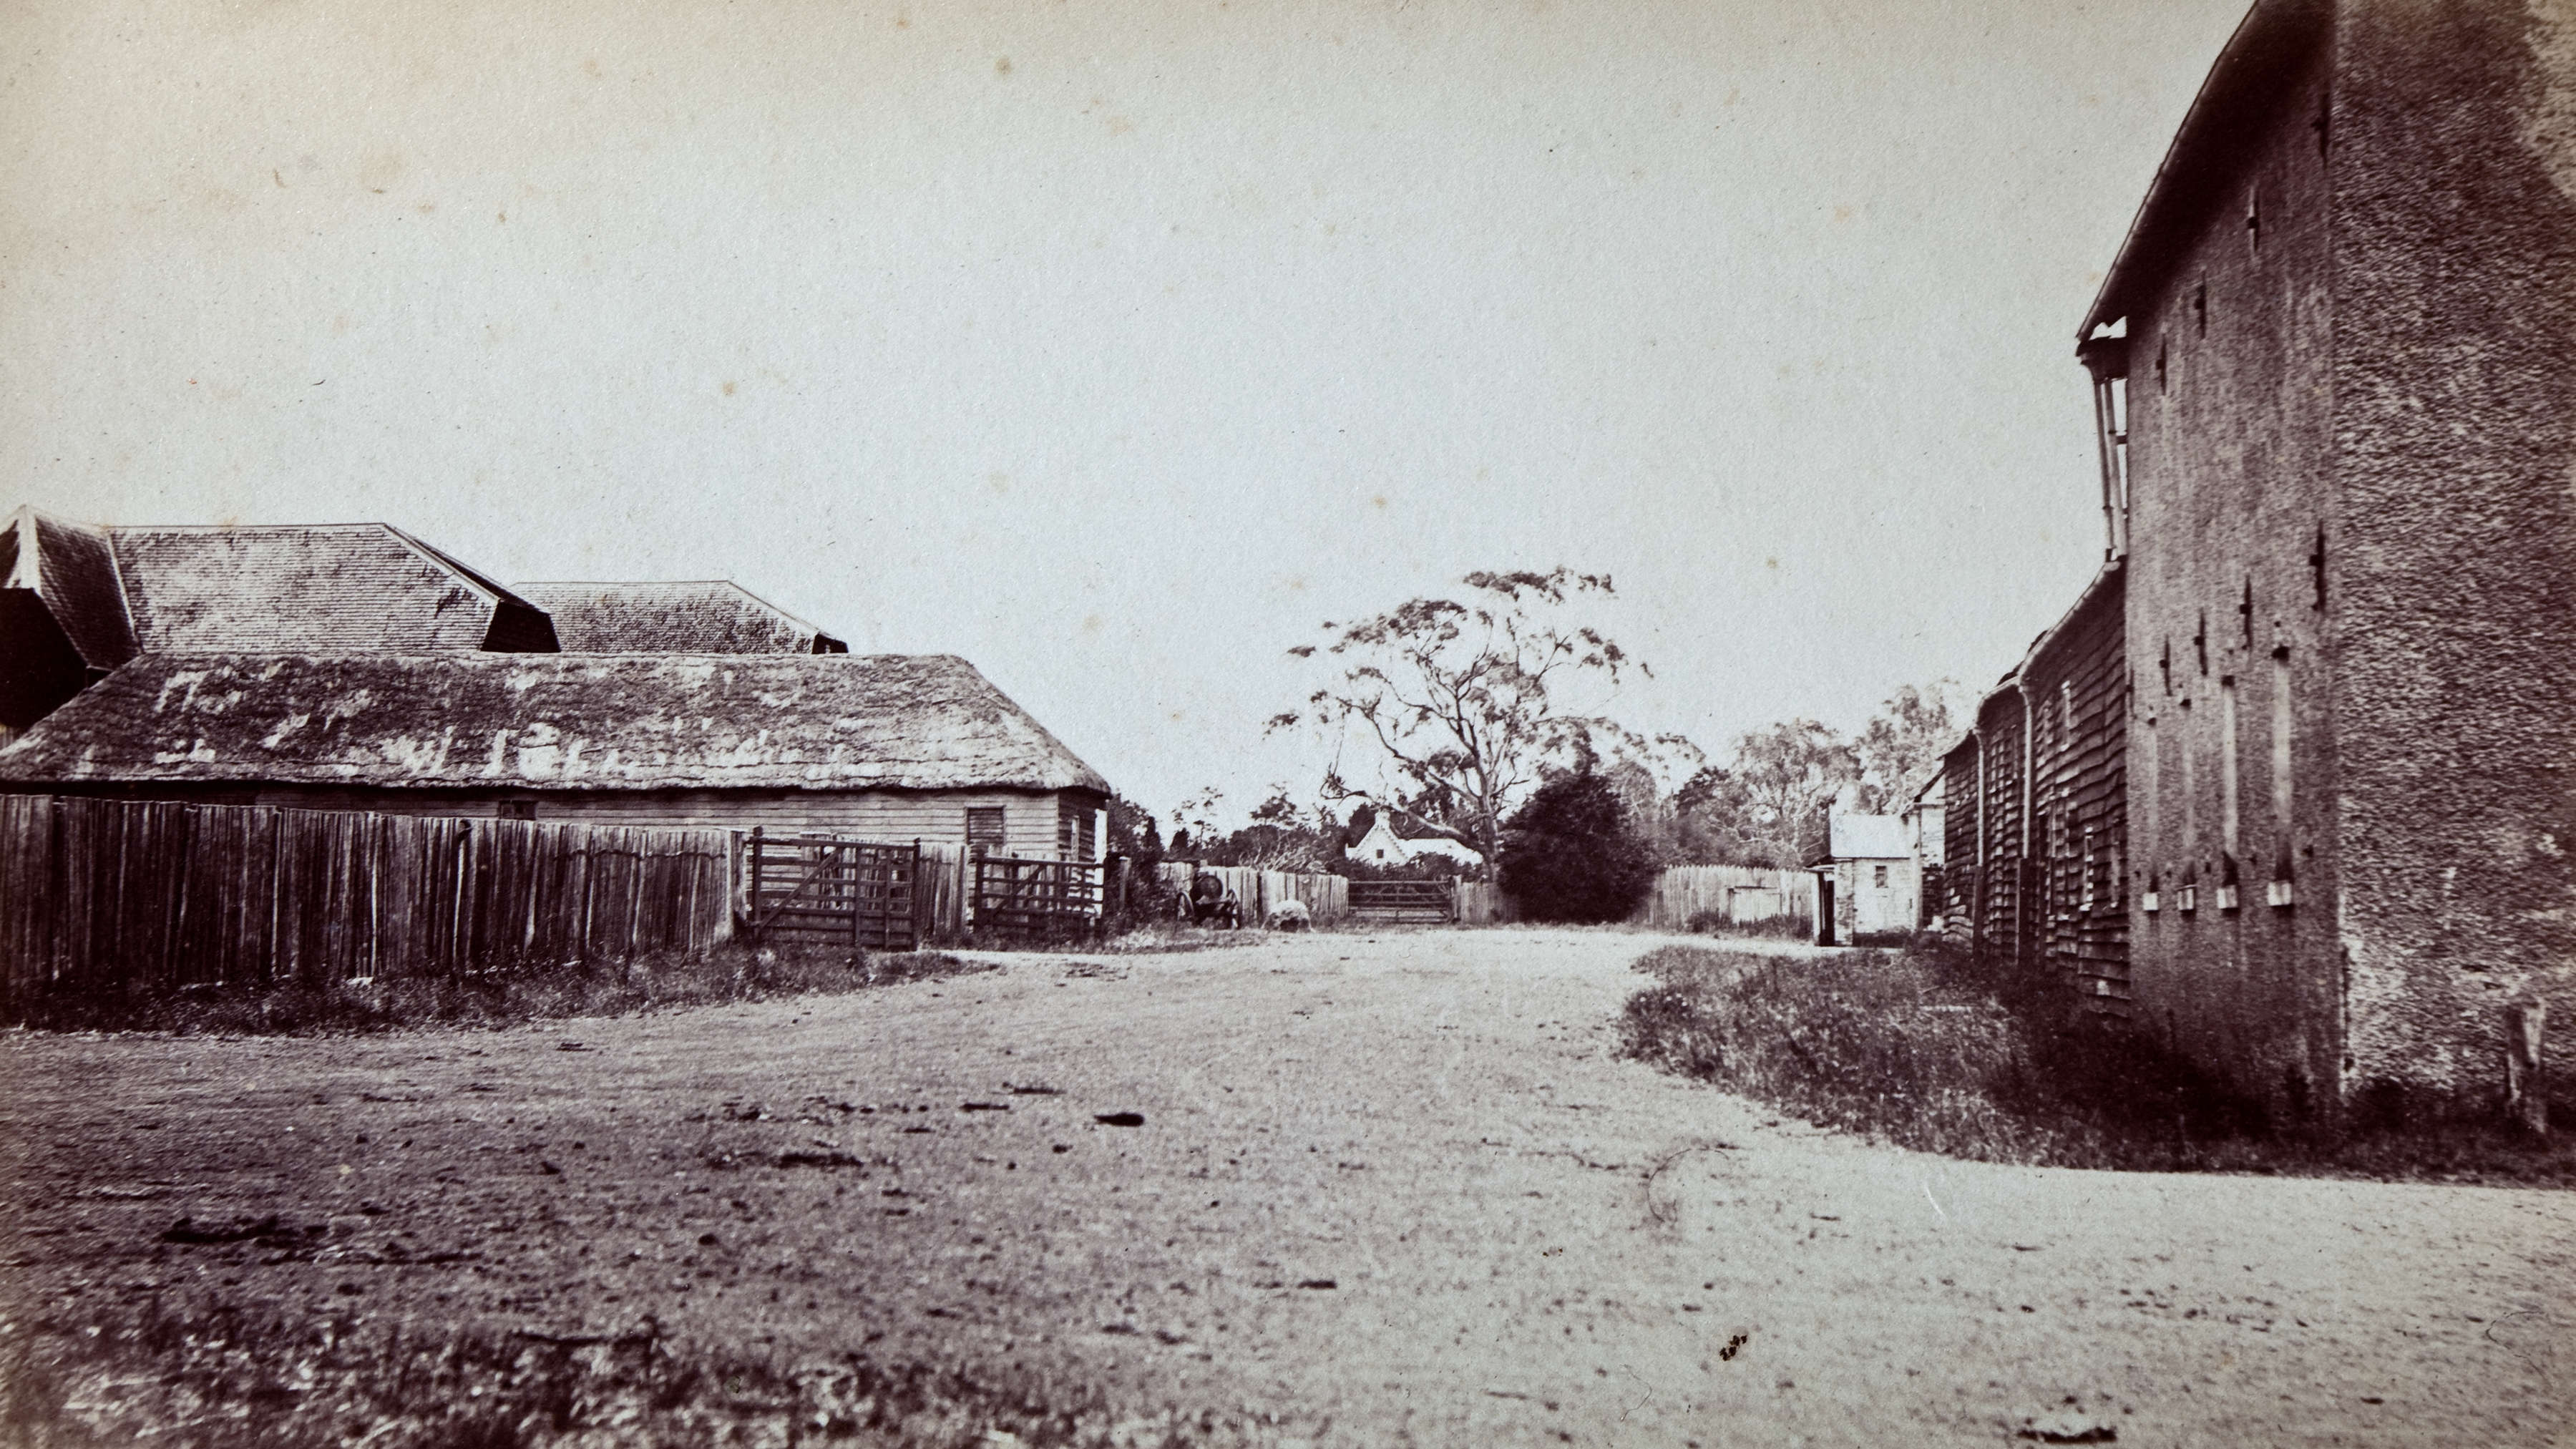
x: 2352, y: 570
x: 2290, y: 786
x: 2454, y: 392
x: 2230, y: 489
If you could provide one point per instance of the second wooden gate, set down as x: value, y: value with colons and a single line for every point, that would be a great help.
x: 820, y: 890
x: 1036, y: 900
x: 1405, y: 902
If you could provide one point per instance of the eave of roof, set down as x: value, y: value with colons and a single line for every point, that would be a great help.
x: 549, y: 722
x: 2272, y: 41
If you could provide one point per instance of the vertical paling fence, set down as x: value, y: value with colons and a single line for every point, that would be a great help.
x: 137, y: 898
x: 1741, y: 894
x: 1326, y: 897
x: 823, y: 890
x: 1036, y: 900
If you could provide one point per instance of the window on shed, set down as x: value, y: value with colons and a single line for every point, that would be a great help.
x: 984, y: 829
x: 1878, y: 876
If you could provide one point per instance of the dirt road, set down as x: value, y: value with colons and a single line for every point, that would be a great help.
x: 1390, y: 1190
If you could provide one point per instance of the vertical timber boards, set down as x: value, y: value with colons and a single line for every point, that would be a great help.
x: 126, y: 897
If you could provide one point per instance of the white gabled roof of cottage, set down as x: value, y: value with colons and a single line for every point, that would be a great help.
x: 1866, y: 837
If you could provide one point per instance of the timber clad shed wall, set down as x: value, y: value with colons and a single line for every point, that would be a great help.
x: 2078, y: 686
x: 1962, y: 863
x: 2003, y: 917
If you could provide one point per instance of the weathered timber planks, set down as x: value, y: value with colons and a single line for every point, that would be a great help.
x: 144, y: 897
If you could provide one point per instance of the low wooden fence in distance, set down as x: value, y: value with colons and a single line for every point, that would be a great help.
x: 1327, y: 898
x: 141, y: 897
x: 1740, y: 894
x: 1482, y: 903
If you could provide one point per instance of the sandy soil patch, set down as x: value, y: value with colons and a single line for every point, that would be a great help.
x: 1392, y: 1189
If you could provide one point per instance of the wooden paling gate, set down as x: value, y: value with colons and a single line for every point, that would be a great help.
x: 1405, y: 902
x: 824, y: 890
x: 129, y: 897
x: 1036, y: 899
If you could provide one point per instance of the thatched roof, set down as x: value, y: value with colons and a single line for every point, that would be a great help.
x: 711, y: 616
x: 549, y: 721
x: 312, y: 588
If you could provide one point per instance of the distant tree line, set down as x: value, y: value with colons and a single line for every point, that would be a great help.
x: 1478, y: 716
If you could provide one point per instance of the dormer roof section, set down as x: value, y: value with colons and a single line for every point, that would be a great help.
x: 71, y: 567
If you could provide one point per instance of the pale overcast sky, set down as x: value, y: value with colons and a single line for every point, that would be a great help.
x: 1114, y: 346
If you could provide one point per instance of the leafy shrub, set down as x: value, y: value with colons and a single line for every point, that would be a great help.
x: 1572, y: 854
x: 1771, y: 928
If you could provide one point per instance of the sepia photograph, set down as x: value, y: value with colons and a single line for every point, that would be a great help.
x: 1133, y: 724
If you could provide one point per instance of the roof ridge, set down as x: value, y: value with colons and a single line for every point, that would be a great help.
x: 239, y: 527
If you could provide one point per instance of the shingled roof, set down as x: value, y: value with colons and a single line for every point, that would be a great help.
x: 312, y: 588
x: 549, y: 721
x: 711, y: 616
x: 72, y: 568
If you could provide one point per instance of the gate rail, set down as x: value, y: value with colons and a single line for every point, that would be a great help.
x: 1036, y: 899
x: 1420, y: 901
x: 826, y: 890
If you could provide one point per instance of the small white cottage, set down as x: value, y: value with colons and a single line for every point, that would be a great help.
x: 1869, y: 881
x: 1396, y: 838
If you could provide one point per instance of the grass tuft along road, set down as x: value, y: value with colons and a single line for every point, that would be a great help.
x: 1352, y: 1189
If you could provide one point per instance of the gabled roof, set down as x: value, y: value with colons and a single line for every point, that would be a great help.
x: 73, y: 569
x: 2248, y: 82
x: 549, y: 721
x: 1866, y: 837
x: 1405, y: 825
x: 1414, y: 830
x: 312, y: 588
x: 712, y: 616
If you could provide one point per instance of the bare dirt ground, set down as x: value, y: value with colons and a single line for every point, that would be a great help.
x: 1390, y: 1189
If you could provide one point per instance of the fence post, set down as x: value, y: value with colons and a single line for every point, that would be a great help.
x: 2524, y: 1099
x: 751, y: 889
x: 859, y: 903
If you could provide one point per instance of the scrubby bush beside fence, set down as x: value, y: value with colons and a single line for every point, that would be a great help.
x: 731, y: 973
x: 1935, y: 1052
